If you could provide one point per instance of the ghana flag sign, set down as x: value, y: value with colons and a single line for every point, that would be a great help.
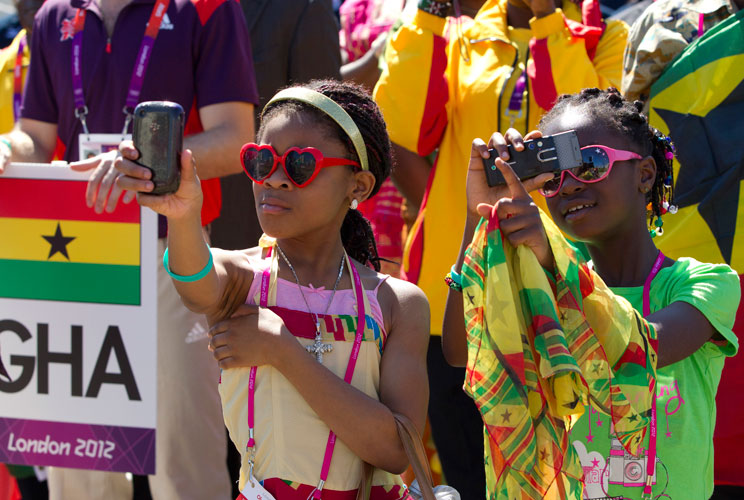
x: 699, y: 102
x: 77, y: 325
x: 45, y: 221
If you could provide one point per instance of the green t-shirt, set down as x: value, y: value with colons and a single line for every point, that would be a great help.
x: 685, y: 397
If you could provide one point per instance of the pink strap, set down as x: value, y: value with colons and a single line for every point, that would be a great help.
x: 651, y: 456
x: 360, y: 327
x: 347, y: 378
x: 265, y: 282
x: 647, y: 285
x: 701, y: 25
x: 265, y: 279
x: 251, y: 411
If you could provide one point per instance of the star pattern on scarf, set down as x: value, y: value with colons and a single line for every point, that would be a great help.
x: 506, y: 416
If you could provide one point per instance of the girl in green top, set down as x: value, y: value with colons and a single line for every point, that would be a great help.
x: 613, y: 204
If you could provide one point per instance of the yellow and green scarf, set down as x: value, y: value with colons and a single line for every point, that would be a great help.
x: 540, y: 348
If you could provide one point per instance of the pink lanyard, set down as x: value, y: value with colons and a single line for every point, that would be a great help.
x: 18, y: 80
x: 701, y: 25
x: 140, y: 64
x: 651, y: 456
x: 265, y: 281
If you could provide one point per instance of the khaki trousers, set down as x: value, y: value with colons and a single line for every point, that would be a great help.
x: 191, y: 447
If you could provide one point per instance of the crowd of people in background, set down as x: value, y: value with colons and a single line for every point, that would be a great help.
x: 406, y: 93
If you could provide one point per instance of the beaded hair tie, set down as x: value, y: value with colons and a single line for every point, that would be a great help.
x: 655, y: 226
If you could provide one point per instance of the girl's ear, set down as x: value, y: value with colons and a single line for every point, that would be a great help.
x: 364, y: 183
x: 647, y: 174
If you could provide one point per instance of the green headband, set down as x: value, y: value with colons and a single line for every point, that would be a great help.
x: 330, y: 108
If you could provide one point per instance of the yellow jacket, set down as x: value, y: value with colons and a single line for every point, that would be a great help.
x: 446, y: 84
x: 7, y: 67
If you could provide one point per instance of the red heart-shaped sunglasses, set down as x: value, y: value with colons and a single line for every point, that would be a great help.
x: 300, y: 164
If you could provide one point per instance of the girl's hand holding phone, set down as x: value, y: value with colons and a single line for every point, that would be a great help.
x: 135, y: 179
x: 519, y: 217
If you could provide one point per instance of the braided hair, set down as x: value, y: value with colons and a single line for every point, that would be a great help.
x: 611, y: 109
x: 356, y: 232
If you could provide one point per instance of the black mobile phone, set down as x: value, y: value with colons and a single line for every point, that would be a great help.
x: 158, y: 136
x: 551, y: 153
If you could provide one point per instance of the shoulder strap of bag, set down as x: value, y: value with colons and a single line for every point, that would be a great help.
x: 414, y: 447
x: 416, y: 453
x: 365, y: 485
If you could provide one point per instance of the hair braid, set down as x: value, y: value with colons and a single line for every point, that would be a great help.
x: 356, y: 232
x: 627, y: 118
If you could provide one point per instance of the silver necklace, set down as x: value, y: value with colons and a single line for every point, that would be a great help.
x: 317, y: 348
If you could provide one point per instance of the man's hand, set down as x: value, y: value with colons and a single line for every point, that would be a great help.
x: 102, y: 193
x: 32, y: 141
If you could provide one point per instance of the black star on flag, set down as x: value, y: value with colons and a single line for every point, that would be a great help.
x: 58, y: 243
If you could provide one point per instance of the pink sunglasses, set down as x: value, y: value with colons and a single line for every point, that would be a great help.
x: 598, y: 161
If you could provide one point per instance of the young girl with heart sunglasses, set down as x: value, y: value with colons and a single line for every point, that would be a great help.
x: 613, y: 203
x: 317, y: 349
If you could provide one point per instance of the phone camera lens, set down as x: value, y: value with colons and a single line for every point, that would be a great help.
x: 532, y: 145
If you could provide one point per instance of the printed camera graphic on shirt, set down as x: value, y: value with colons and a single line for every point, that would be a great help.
x: 625, y: 469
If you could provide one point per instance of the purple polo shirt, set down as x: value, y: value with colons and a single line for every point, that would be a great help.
x: 202, y: 56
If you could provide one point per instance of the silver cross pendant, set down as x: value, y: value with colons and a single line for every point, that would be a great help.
x: 318, y: 348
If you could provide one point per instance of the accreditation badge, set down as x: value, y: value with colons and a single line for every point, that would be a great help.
x: 253, y: 490
x: 91, y: 145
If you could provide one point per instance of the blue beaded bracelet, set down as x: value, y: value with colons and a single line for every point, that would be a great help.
x: 193, y: 277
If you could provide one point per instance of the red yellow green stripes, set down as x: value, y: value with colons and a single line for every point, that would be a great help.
x: 57, y: 248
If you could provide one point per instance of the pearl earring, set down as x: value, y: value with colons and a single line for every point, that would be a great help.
x: 354, y: 204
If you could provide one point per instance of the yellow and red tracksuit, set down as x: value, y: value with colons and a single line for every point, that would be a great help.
x: 446, y: 84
